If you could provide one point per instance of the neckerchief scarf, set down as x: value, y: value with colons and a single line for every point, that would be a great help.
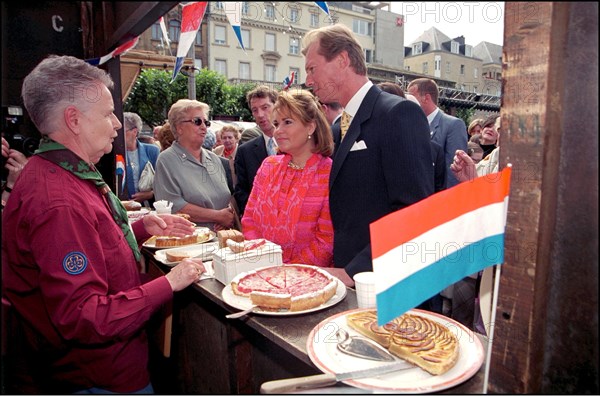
x: 66, y: 159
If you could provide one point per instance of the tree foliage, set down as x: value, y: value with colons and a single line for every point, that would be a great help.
x: 153, y: 94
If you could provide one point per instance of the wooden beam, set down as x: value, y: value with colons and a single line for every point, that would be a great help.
x: 546, y: 338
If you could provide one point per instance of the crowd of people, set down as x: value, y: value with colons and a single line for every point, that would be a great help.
x: 319, y: 167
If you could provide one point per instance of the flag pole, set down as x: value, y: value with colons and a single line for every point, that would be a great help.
x: 488, y: 355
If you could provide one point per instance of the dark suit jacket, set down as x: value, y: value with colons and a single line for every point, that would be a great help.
x: 439, y: 166
x: 450, y: 133
x: 394, y: 171
x: 228, y: 175
x: 248, y: 159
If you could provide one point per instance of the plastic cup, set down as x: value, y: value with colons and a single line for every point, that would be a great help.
x: 365, y: 289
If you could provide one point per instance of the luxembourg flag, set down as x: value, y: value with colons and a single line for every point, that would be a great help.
x: 420, y: 250
x: 233, y: 10
x: 121, y: 49
x: 191, y: 18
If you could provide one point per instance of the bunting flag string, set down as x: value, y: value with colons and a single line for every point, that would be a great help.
x: 289, y: 80
x: 165, y: 34
x: 233, y: 10
x: 191, y: 18
x: 120, y: 171
x: 123, y: 48
x: 323, y: 5
x: 420, y: 250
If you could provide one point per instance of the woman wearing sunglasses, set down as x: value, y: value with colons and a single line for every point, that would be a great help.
x: 189, y: 176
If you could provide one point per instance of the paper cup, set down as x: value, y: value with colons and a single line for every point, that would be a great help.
x: 160, y: 210
x: 365, y: 289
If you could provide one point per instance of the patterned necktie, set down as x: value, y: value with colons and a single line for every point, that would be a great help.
x: 66, y: 159
x: 271, y: 147
x: 345, y: 123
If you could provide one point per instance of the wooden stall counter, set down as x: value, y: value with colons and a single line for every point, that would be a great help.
x: 204, y: 352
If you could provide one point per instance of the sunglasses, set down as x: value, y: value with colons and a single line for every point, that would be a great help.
x: 198, y: 121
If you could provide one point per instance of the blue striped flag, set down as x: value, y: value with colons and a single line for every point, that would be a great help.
x: 422, y: 249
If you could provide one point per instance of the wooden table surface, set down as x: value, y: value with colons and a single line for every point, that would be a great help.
x: 258, y: 348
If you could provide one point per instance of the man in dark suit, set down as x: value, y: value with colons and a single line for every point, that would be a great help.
x: 447, y: 131
x: 382, y: 163
x: 251, y: 154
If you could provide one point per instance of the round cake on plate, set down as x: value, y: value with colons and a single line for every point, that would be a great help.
x: 293, y: 287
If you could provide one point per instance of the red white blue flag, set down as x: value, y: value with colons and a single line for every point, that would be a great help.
x: 191, y: 18
x: 121, y: 49
x: 422, y: 249
x: 120, y: 170
x: 289, y: 80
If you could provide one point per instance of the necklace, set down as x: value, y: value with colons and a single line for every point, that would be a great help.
x: 294, y: 166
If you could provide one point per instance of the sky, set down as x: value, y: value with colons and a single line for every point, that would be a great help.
x: 477, y: 21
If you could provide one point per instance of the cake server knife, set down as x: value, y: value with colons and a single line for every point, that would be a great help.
x: 329, y: 379
x: 241, y: 313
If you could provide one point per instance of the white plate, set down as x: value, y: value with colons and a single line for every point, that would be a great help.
x: 202, y: 250
x: 322, y: 350
x: 243, y: 303
x: 151, y: 242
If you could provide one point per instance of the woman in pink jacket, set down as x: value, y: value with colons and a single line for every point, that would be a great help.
x: 289, y: 202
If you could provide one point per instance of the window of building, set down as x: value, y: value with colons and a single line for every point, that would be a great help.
x: 417, y: 48
x: 198, y: 40
x: 220, y: 35
x: 462, y: 70
x: 368, y: 55
x: 314, y: 20
x: 174, y: 30
x: 454, y: 46
x: 270, y: 11
x: 448, y: 68
x: 244, y: 71
x: 245, y: 8
x: 246, y: 38
x: 270, y: 73
x: 156, y: 32
x: 407, y: 68
x: 469, y: 51
x: 269, y: 42
x: 362, y: 27
x: 221, y: 66
x: 475, y: 88
x: 294, y: 15
x: 219, y: 5
x: 476, y: 73
x: 297, y: 75
x: 294, y: 46
x: 425, y: 67
x: 437, y: 66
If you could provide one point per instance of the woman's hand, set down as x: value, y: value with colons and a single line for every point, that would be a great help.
x: 143, y: 196
x: 169, y: 225
x: 185, y: 273
x: 463, y: 166
x: 341, y: 274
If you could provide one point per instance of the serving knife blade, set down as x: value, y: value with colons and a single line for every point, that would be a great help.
x: 329, y: 379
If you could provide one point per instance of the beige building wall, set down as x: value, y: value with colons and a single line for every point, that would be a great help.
x: 465, y: 71
x: 288, y: 35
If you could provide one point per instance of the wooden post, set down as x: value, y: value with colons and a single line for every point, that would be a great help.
x: 546, y: 338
